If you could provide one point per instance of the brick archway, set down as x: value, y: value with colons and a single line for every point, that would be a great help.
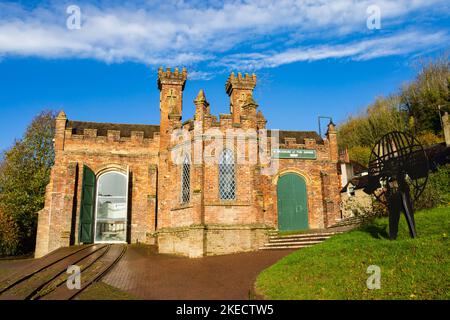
x: 111, y: 167
x: 301, y: 173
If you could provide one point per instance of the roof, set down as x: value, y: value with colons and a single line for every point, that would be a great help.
x: 149, y: 129
x: 357, y: 182
x: 102, y: 128
x: 438, y: 154
x: 298, y: 135
x: 358, y: 168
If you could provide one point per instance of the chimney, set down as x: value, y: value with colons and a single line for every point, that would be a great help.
x: 239, y: 88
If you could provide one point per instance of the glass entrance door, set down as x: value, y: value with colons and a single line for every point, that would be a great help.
x: 111, y: 207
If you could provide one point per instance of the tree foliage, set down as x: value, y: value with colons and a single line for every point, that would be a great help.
x: 24, y: 174
x: 414, y: 109
x: 430, y: 90
x: 359, y: 133
x: 437, y: 190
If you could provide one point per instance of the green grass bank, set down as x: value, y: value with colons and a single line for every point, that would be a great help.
x: 337, y: 268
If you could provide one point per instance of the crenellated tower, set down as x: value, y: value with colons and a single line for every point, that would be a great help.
x: 239, y: 88
x: 171, y: 86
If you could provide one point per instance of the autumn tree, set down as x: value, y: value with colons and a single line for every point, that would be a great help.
x: 428, y: 93
x: 358, y: 134
x: 414, y: 110
x: 24, y: 174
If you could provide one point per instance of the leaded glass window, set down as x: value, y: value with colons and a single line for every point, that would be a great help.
x: 227, y: 180
x: 186, y: 180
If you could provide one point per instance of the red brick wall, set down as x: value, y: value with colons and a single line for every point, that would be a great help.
x: 319, y: 191
x: 156, y: 180
x: 58, y: 221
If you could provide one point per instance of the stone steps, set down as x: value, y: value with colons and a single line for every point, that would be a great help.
x: 304, y: 235
x: 299, y: 240
x: 311, y: 237
x: 284, y: 247
x: 296, y: 241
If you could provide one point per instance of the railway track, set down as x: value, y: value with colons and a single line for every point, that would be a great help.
x: 46, y: 278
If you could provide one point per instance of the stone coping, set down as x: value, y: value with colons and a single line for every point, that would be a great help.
x: 213, y: 227
x: 182, y: 207
x: 84, y: 151
x: 230, y: 203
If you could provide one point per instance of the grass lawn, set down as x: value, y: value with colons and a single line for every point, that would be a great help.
x: 337, y: 268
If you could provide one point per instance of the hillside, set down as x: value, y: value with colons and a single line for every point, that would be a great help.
x: 337, y: 269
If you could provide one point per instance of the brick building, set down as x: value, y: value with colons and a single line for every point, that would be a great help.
x: 145, y: 183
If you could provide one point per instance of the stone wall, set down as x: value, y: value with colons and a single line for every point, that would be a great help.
x: 187, y: 241
x: 198, y: 241
x: 226, y: 239
x: 357, y: 205
x: 320, y: 175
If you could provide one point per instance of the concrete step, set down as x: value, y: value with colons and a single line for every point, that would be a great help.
x: 278, y: 240
x: 286, y: 247
x: 305, y: 235
x: 297, y: 241
x: 292, y: 243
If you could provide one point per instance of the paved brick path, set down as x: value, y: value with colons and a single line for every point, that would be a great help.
x: 148, y: 275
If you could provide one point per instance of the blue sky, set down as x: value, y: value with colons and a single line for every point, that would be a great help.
x: 311, y: 57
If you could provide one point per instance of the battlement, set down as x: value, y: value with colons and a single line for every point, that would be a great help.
x: 110, y: 132
x: 246, y: 82
x: 168, y: 77
x: 308, y: 139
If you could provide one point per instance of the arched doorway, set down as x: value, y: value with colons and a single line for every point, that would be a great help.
x: 111, y: 207
x: 292, y: 202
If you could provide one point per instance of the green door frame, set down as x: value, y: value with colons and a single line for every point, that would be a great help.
x: 86, y: 226
x: 292, y: 202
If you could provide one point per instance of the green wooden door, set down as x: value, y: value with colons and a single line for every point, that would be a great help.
x: 87, y: 206
x: 292, y: 203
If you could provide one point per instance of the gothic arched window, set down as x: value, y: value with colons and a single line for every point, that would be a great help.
x: 112, y: 205
x: 186, y: 180
x: 227, y: 180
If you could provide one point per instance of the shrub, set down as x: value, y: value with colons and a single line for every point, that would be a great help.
x: 428, y: 138
x: 437, y: 190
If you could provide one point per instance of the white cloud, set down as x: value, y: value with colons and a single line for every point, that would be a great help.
x: 200, y: 75
x: 186, y: 33
x: 398, y: 44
